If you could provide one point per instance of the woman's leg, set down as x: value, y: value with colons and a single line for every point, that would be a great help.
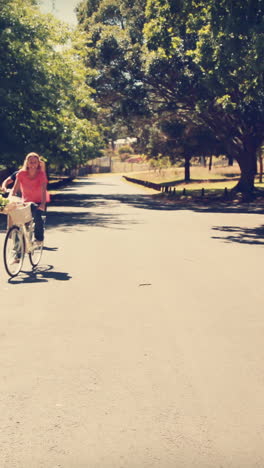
x: 39, y: 226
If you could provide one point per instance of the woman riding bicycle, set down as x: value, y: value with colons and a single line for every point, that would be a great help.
x: 32, y: 181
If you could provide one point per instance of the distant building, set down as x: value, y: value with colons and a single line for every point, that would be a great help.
x: 124, y: 141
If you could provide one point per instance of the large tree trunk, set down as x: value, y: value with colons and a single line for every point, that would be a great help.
x: 248, y: 166
x: 210, y: 163
x: 260, y: 168
x: 187, y: 165
x: 230, y: 160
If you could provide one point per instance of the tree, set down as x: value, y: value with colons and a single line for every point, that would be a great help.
x: 205, y: 61
x: 42, y: 88
x: 114, y: 41
x: 199, y: 62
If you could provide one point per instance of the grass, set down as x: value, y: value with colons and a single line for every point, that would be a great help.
x: 209, y: 185
x: 218, y: 178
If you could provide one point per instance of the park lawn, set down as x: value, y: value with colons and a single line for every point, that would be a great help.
x: 204, y: 187
x: 210, y: 185
x: 217, y: 179
x: 174, y: 175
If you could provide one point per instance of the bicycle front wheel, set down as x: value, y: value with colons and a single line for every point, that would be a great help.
x: 14, y: 251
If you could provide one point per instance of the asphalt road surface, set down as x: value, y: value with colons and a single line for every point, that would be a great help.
x: 139, y: 341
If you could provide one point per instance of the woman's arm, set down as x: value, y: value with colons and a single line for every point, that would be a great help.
x: 9, y: 180
x: 43, y: 196
x: 6, y: 182
x: 16, y: 188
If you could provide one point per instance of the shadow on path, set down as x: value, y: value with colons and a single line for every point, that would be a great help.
x: 152, y: 202
x: 64, y: 220
x: 41, y: 274
x: 251, y: 236
x: 157, y: 201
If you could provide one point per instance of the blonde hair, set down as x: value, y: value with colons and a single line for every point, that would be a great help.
x: 31, y: 155
x: 42, y: 165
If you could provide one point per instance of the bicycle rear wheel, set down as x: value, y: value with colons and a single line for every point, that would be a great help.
x: 35, y: 254
x: 14, y: 251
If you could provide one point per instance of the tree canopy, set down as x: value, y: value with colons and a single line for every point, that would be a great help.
x: 114, y: 43
x: 199, y: 62
x: 214, y: 50
x: 44, y: 95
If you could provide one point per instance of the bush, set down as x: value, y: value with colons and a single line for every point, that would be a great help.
x: 125, y: 149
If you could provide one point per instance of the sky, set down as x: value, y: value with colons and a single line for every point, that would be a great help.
x: 62, y: 9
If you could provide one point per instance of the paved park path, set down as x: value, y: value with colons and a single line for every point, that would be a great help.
x: 139, y: 342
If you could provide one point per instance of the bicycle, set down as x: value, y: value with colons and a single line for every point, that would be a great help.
x: 20, y: 238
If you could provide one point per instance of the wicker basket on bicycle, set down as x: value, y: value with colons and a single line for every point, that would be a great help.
x: 18, y: 213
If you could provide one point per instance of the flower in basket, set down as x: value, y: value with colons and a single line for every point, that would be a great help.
x: 3, y: 203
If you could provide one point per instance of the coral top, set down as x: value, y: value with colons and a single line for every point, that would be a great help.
x: 31, y: 189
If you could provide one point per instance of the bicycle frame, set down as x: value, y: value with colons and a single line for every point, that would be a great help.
x: 28, y: 234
